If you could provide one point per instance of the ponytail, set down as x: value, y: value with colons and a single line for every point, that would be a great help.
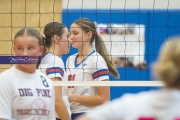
x: 88, y: 25
x: 101, y: 49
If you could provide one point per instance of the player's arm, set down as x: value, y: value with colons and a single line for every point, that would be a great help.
x: 52, y: 107
x: 103, y: 96
x: 55, y: 72
x: 99, y: 73
x: 60, y: 106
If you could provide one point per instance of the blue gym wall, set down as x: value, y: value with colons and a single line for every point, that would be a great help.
x: 159, y: 25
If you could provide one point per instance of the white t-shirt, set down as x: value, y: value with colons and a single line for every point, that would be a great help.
x: 163, y: 104
x: 25, y: 96
x: 53, y: 66
x: 92, y: 68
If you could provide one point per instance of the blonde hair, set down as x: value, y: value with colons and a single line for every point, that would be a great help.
x: 167, y: 68
x: 87, y: 25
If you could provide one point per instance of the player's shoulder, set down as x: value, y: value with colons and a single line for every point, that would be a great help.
x: 9, y: 75
x: 58, y: 61
x: 50, y: 58
x: 141, y: 97
x: 43, y: 75
x: 72, y: 57
x: 8, y: 72
x: 95, y: 57
x: 39, y: 73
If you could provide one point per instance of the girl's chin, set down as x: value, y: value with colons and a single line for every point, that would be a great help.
x: 66, y: 52
x: 74, y: 46
x: 27, y: 66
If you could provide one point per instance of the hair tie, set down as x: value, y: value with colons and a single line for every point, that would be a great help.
x: 43, y: 36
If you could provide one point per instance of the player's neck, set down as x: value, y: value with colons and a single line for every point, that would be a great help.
x: 26, y: 70
x: 84, y: 52
x: 55, y: 51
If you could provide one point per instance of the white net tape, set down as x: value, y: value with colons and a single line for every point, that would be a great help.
x: 109, y: 83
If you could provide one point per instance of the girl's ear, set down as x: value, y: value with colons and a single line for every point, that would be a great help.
x: 41, y: 49
x: 89, y: 35
x: 56, y: 39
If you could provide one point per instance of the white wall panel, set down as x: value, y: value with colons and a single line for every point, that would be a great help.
x: 121, y: 4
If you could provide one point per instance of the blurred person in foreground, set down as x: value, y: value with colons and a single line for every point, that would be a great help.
x: 162, y: 104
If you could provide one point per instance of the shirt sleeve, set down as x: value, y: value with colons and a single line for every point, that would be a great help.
x: 55, y: 69
x: 100, y: 70
x: 5, y: 98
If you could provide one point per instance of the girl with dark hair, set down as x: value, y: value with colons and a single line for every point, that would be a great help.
x: 56, y: 43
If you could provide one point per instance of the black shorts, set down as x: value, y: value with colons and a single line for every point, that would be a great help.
x: 75, y: 115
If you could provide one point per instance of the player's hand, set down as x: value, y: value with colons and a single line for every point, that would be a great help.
x: 72, y: 97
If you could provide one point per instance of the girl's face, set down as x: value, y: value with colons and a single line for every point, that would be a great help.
x: 27, y: 46
x: 64, y: 42
x: 78, y: 37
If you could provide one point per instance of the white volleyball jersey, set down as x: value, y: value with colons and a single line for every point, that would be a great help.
x: 53, y: 66
x: 153, y: 105
x: 25, y: 96
x: 92, y: 68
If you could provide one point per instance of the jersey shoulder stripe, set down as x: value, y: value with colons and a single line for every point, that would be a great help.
x: 54, y: 70
x: 99, y: 73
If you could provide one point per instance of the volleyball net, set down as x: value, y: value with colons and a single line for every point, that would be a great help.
x: 132, y: 31
x: 132, y: 83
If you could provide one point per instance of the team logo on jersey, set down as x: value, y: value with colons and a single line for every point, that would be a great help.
x: 71, y: 78
x: 38, y: 107
x: 84, y: 64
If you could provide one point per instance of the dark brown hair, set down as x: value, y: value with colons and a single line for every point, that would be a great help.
x: 51, y: 29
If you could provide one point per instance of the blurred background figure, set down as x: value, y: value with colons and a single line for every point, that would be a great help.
x: 162, y: 104
x: 126, y: 62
